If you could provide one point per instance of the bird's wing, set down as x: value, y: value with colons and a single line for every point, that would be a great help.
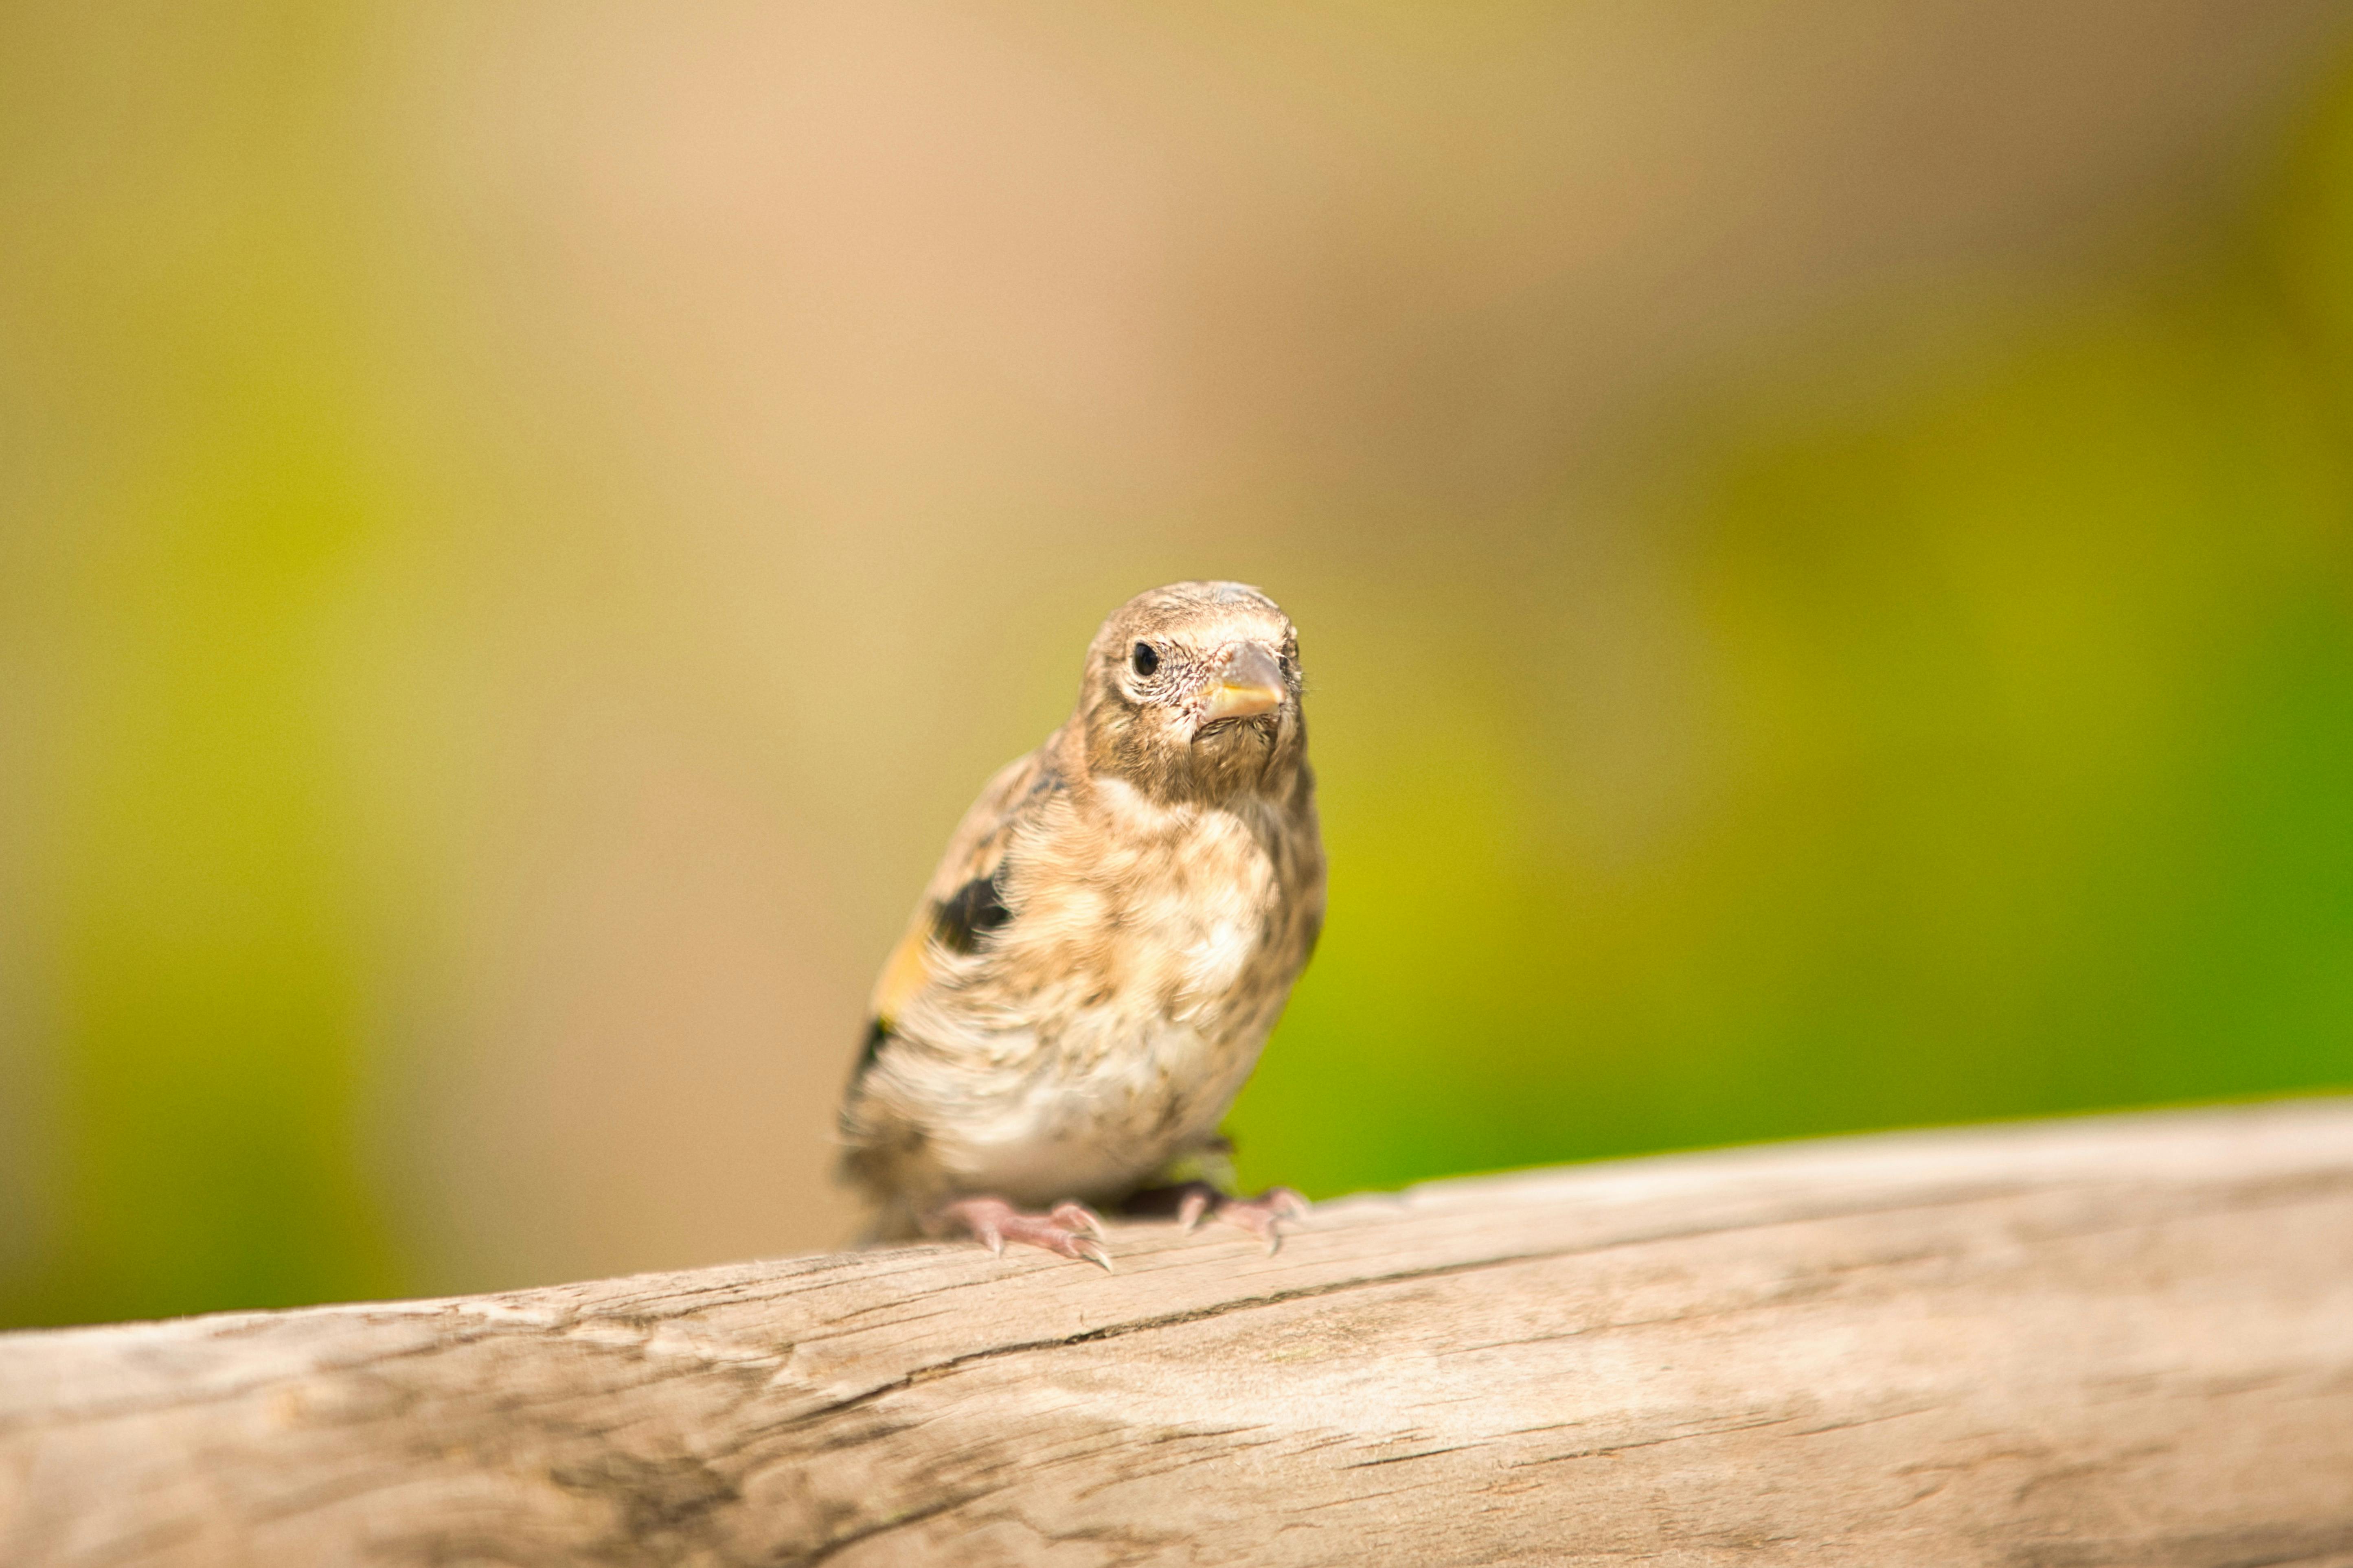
x: 963, y: 899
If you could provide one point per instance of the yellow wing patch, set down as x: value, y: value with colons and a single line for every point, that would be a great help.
x: 974, y: 854
x: 908, y: 970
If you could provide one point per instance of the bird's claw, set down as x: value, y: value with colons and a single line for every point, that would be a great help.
x: 1258, y: 1216
x: 1079, y: 1215
x: 1067, y: 1230
x: 1189, y: 1212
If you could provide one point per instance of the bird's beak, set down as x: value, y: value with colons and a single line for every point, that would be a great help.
x: 1252, y: 683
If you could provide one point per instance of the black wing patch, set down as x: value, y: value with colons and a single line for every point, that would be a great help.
x: 970, y: 912
x: 877, y: 1032
x: 959, y: 921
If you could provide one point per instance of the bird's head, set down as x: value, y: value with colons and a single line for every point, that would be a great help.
x: 1192, y: 693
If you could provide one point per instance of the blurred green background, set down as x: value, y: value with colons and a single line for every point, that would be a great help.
x: 1823, y: 542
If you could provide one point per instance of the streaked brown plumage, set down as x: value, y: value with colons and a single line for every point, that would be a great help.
x: 1113, y: 931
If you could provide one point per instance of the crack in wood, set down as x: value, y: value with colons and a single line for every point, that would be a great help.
x: 2084, y: 1345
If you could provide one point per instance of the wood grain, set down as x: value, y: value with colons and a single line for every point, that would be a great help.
x: 2124, y: 1341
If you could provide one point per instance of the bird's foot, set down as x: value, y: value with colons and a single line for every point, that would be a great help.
x: 1190, y: 1201
x: 1068, y: 1230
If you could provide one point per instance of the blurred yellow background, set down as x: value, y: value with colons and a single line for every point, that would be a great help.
x: 1823, y: 538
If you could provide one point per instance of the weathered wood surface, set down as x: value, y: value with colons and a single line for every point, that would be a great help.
x: 2124, y: 1341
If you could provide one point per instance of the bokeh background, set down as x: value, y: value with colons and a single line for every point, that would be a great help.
x: 1823, y: 535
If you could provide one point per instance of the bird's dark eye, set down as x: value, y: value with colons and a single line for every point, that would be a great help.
x: 1143, y: 659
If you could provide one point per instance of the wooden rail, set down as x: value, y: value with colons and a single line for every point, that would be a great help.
x: 2124, y: 1341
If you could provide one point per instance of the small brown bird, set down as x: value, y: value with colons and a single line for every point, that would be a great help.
x: 1100, y: 956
